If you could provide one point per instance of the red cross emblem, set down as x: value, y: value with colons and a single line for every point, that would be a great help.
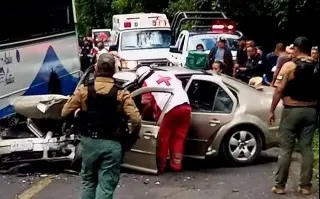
x: 102, y: 36
x: 164, y: 80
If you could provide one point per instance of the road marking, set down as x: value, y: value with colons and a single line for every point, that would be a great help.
x: 35, y: 188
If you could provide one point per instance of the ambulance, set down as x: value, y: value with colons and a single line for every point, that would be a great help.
x: 141, y: 38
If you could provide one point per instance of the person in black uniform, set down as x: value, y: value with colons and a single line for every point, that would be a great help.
x: 254, y: 66
x: 297, y: 84
x: 85, y: 54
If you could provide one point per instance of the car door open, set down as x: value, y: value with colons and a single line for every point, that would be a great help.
x: 213, y: 105
x: 142, y: 156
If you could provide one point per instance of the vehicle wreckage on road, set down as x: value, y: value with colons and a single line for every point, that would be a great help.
x: 228, y: 118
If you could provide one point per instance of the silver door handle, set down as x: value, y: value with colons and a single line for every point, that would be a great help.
x: 148, y: 133
x: 214, y: 122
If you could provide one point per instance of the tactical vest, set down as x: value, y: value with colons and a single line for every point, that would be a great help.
x: 304, y: 86
x: 104, y: 118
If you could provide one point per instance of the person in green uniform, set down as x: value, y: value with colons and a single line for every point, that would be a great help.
x: 101, y: 104
x: 296, y: 86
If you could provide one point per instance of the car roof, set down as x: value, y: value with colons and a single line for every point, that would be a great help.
x: 179, y: 70
x: 226, y: 35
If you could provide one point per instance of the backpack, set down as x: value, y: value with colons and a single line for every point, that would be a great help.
x: 197, y: 60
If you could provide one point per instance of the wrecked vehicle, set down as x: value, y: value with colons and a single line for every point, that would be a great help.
x: 236, y: 129
x: 44, y: 135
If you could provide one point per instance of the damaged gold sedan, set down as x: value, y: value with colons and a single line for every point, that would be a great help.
x: 228, y: 118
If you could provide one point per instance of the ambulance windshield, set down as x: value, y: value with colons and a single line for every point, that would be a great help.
x: 145, y: 39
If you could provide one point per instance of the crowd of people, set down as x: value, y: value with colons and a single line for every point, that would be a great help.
x: 250, y: 61
x: 293, y: 70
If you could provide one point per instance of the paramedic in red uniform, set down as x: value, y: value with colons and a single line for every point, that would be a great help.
x: 176, y: 121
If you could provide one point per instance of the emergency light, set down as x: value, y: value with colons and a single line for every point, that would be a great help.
x: 127, y: 24
x: 223, y: 26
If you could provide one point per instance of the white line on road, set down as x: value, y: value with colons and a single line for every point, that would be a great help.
x: 35, y: 188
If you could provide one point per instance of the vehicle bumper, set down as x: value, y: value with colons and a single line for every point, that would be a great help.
x: 37, y: 149
x: 271, y: 138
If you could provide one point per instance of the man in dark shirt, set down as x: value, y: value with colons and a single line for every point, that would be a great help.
x: 223, y: 54
x: 271, y: 60
x: 253, y: 67
x: 282, y: 59
x: 85, y: 56
x: 315, y: 53
x: 241, y: 53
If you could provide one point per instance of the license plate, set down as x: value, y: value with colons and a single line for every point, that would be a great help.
x: 22, y: 146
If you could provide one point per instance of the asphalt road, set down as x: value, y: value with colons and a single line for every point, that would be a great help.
x: 200, y: 180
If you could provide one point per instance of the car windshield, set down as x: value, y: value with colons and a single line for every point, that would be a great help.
x: 208, y: 41
x: 145, y: 39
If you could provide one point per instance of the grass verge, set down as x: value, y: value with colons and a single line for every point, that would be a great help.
x: 316, y: 154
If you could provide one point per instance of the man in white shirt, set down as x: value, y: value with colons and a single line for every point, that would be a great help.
x: 101, y: 49
x: 176, y: 121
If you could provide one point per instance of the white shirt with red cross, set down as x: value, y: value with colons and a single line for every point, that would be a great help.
x: 168, y: 80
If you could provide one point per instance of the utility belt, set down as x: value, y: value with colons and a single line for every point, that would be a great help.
x: 309, y: 106
x: 101, y: 135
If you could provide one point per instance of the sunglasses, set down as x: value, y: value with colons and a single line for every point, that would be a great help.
x: 315, y: 48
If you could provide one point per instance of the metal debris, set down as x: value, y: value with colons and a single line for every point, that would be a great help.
x: 70, y: 171
x: 146, y: 181
x: 14, y: 169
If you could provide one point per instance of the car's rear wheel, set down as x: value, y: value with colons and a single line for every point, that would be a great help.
x: 242, y: 146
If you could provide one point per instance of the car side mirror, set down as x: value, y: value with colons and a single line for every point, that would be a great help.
x: 113, y: 48
x: 174, y: 49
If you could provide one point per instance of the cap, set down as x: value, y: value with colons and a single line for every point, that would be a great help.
x: 221, y: 38
x: 106, y: 61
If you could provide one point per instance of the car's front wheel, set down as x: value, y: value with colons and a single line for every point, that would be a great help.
x: 242, y: 146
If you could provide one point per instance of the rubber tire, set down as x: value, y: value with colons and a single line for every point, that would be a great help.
x: 77, y: 161
x: 225, y: 148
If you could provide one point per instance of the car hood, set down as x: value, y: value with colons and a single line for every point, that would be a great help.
x: 146, y: 54
x: 125, y: 76
x: 39, y: 106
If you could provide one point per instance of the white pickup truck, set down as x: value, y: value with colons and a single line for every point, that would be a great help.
x: 204, y: 35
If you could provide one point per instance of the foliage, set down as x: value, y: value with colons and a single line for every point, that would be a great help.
x: 286, y: 11
x: 256, y: 17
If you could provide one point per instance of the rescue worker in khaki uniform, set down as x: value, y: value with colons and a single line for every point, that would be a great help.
x: 297, y: 86
x: 101, y: 104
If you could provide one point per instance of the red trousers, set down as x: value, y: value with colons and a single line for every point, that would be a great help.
x: 172, y: 134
